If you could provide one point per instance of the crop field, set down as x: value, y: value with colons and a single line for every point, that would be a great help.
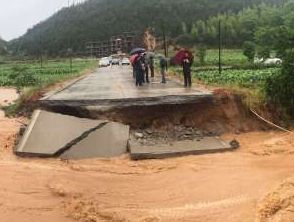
x: 243, y: 78
x: 22, y: 74
x: 246, y: 78
x: 228, y: 57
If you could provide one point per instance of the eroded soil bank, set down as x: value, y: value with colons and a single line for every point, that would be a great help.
x: 226, y: 113
x: 251, y: 184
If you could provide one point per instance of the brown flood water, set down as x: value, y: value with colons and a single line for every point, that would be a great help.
x: 226, y: 187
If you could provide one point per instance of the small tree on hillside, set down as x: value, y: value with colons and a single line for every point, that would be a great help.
x: 249, y: 50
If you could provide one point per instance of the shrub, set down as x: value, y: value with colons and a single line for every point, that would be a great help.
x: 280, y: 87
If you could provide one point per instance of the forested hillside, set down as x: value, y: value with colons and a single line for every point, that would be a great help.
x: 100, y: 19
x: 269, y: 27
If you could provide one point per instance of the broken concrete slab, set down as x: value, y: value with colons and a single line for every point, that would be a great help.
x: 48, y: 133
x: 55, y: 135
x: 109, y: 141
x: 205, y: 145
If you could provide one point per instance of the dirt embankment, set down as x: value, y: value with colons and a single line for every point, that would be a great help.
x: 226, y: 113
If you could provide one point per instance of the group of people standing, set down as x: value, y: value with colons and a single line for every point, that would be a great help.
x: 143, y: 64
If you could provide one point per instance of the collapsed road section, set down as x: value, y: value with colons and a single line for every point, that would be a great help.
x: 55, y: 135
x: 62, y: 132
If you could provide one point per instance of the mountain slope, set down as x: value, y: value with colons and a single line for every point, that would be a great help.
x: 3, y: 45
x: 100, y: 19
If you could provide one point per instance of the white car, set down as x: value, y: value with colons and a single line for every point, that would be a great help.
x: 125, y: 61
x: 269, y: 61
x: 104, y: 62
x: 273, y: 61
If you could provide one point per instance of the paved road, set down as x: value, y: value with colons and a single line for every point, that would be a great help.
x: 115, y: 86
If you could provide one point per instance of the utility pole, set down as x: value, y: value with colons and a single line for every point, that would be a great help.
x: 165, y: 45
x: 219, y: 48
x: 40, y: 51
x: 70, y: 58
x: 164, y: 42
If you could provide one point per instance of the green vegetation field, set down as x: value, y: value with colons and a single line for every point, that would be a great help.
x: 245, y: 78
x: 229, y: 57
x: 242, y: 78
x: 237, y: 71
x: 23, y: 74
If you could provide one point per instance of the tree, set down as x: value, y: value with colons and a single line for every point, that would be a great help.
x: 194, y: 31
x: 185, y: 40
x: 184, y: 28
x: 99, y: 20
x: 3, y: 50
x: 249, y: 50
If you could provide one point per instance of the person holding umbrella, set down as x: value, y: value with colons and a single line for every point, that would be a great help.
x: 132, y: 60
x: 186, y: 64
x: 139, y: 70
x: 137, y: 61
x: 185, y: 58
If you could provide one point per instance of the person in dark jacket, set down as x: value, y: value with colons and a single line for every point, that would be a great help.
x: 151, y: 66
x: 139, y: 70
x: 146, y: 68
x: 186, y: 63
x: 163, y: 68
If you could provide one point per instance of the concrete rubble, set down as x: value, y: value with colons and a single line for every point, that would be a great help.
x: 203, y: 145
x: 112, y: 140
x: 67, y: 137
x: 53, y: 135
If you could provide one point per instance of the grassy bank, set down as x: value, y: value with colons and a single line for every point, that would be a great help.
x: 30, y: 78
x: 33, y: 74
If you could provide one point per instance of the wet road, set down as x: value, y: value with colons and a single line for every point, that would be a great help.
x: 115, y: 86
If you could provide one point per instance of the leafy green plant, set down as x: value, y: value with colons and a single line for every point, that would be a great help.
x: 244, y: 78
x: 20, y: 77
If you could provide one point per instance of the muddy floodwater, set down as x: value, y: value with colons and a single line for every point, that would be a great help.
x: 251, y: 184
x: 7, y: 97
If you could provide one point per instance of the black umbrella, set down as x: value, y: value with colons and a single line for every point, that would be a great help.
x: 137, y: 51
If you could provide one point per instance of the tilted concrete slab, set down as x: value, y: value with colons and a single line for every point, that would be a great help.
x: 115, y: 87
x: 111, y: 140
x: 49, y: 133
x: 180, y: 148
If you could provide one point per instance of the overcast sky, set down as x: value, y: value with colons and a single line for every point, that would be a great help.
x: 16, y: 16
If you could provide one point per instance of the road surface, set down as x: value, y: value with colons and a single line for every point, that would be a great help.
x: 114, y: 86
